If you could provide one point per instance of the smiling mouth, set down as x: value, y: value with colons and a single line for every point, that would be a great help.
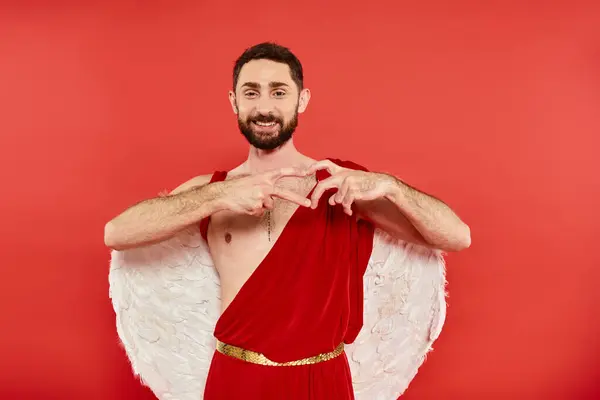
x: 265, y: 124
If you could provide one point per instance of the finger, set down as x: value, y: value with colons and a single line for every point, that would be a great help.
x: 257, y: 212
x: 341, y: 194
x: 321, y: 165
x: 347, y: 202
x: 326, y: 184
x: 268, y: 203
x: 338, y: 197
x: 332, y: 199
x: 287, y: 171
x: 291, y: 196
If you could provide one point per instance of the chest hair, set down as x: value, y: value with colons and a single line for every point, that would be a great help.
x: 274, y: 221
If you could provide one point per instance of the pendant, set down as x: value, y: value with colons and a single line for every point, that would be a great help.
x: 269, y: 224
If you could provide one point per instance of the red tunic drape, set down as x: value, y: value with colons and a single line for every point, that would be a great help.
x: 305, y: 298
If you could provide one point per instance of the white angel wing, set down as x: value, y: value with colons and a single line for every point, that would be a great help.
x: 167, y: 301
x: 404, y: 311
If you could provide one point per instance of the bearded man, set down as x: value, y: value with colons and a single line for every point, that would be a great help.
x: 293, y: 244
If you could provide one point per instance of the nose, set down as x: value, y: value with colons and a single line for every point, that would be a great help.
x: 264, y: 105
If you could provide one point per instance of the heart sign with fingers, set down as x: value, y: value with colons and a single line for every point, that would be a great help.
x: 352, y: 185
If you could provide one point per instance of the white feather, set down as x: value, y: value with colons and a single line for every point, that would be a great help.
x: 166, y: 299
x: 404, y: 311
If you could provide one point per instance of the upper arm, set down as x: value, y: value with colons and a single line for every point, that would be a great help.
x: 196, y: 181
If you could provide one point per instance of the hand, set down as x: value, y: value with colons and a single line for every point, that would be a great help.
x: 253, y: 194
x: 352, y: 185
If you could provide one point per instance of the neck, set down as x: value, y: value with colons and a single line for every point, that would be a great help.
x: 284, y: 156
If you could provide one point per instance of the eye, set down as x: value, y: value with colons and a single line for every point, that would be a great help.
x: 250, y: 94
x: 279, y: 93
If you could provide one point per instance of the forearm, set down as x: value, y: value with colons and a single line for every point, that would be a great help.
x: 157, y: 219
x: 435, y: 221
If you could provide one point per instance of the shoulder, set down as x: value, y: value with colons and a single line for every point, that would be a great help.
x: 347, y: 164
x: 202, y: 180
x: 196, y: 181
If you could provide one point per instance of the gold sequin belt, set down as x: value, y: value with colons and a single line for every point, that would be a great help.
x: 258, y: 358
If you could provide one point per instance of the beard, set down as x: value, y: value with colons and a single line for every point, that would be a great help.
x: 267, y: 141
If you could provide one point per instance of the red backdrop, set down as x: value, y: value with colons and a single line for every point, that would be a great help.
x: 495, y: 109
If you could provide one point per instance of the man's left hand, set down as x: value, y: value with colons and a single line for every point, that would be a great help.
x: 352, y: 185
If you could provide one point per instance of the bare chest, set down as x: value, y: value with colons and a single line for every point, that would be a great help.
x: 239, y: 242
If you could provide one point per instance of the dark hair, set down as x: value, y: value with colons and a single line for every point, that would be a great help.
x: 274, y: 52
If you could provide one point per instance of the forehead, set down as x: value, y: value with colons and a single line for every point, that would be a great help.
x: 265, y: 71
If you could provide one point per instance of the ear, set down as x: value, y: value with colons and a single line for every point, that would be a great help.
x: 303, y: 100
x: 232, y: 101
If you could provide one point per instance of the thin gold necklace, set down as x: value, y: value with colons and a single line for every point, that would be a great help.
x: 313, y: 178
x: 269, y: 224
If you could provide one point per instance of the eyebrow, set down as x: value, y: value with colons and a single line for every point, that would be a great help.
x: 272, y: 85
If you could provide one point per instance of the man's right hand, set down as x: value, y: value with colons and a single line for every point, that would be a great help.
x: 253, y: 194
x: 159, y: 218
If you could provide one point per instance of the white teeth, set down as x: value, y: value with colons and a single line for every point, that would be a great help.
x: 264, y: 123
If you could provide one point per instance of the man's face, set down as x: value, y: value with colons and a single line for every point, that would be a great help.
x: 267, y: 102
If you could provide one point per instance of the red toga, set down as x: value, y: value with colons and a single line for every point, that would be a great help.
x: 304, y: 299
